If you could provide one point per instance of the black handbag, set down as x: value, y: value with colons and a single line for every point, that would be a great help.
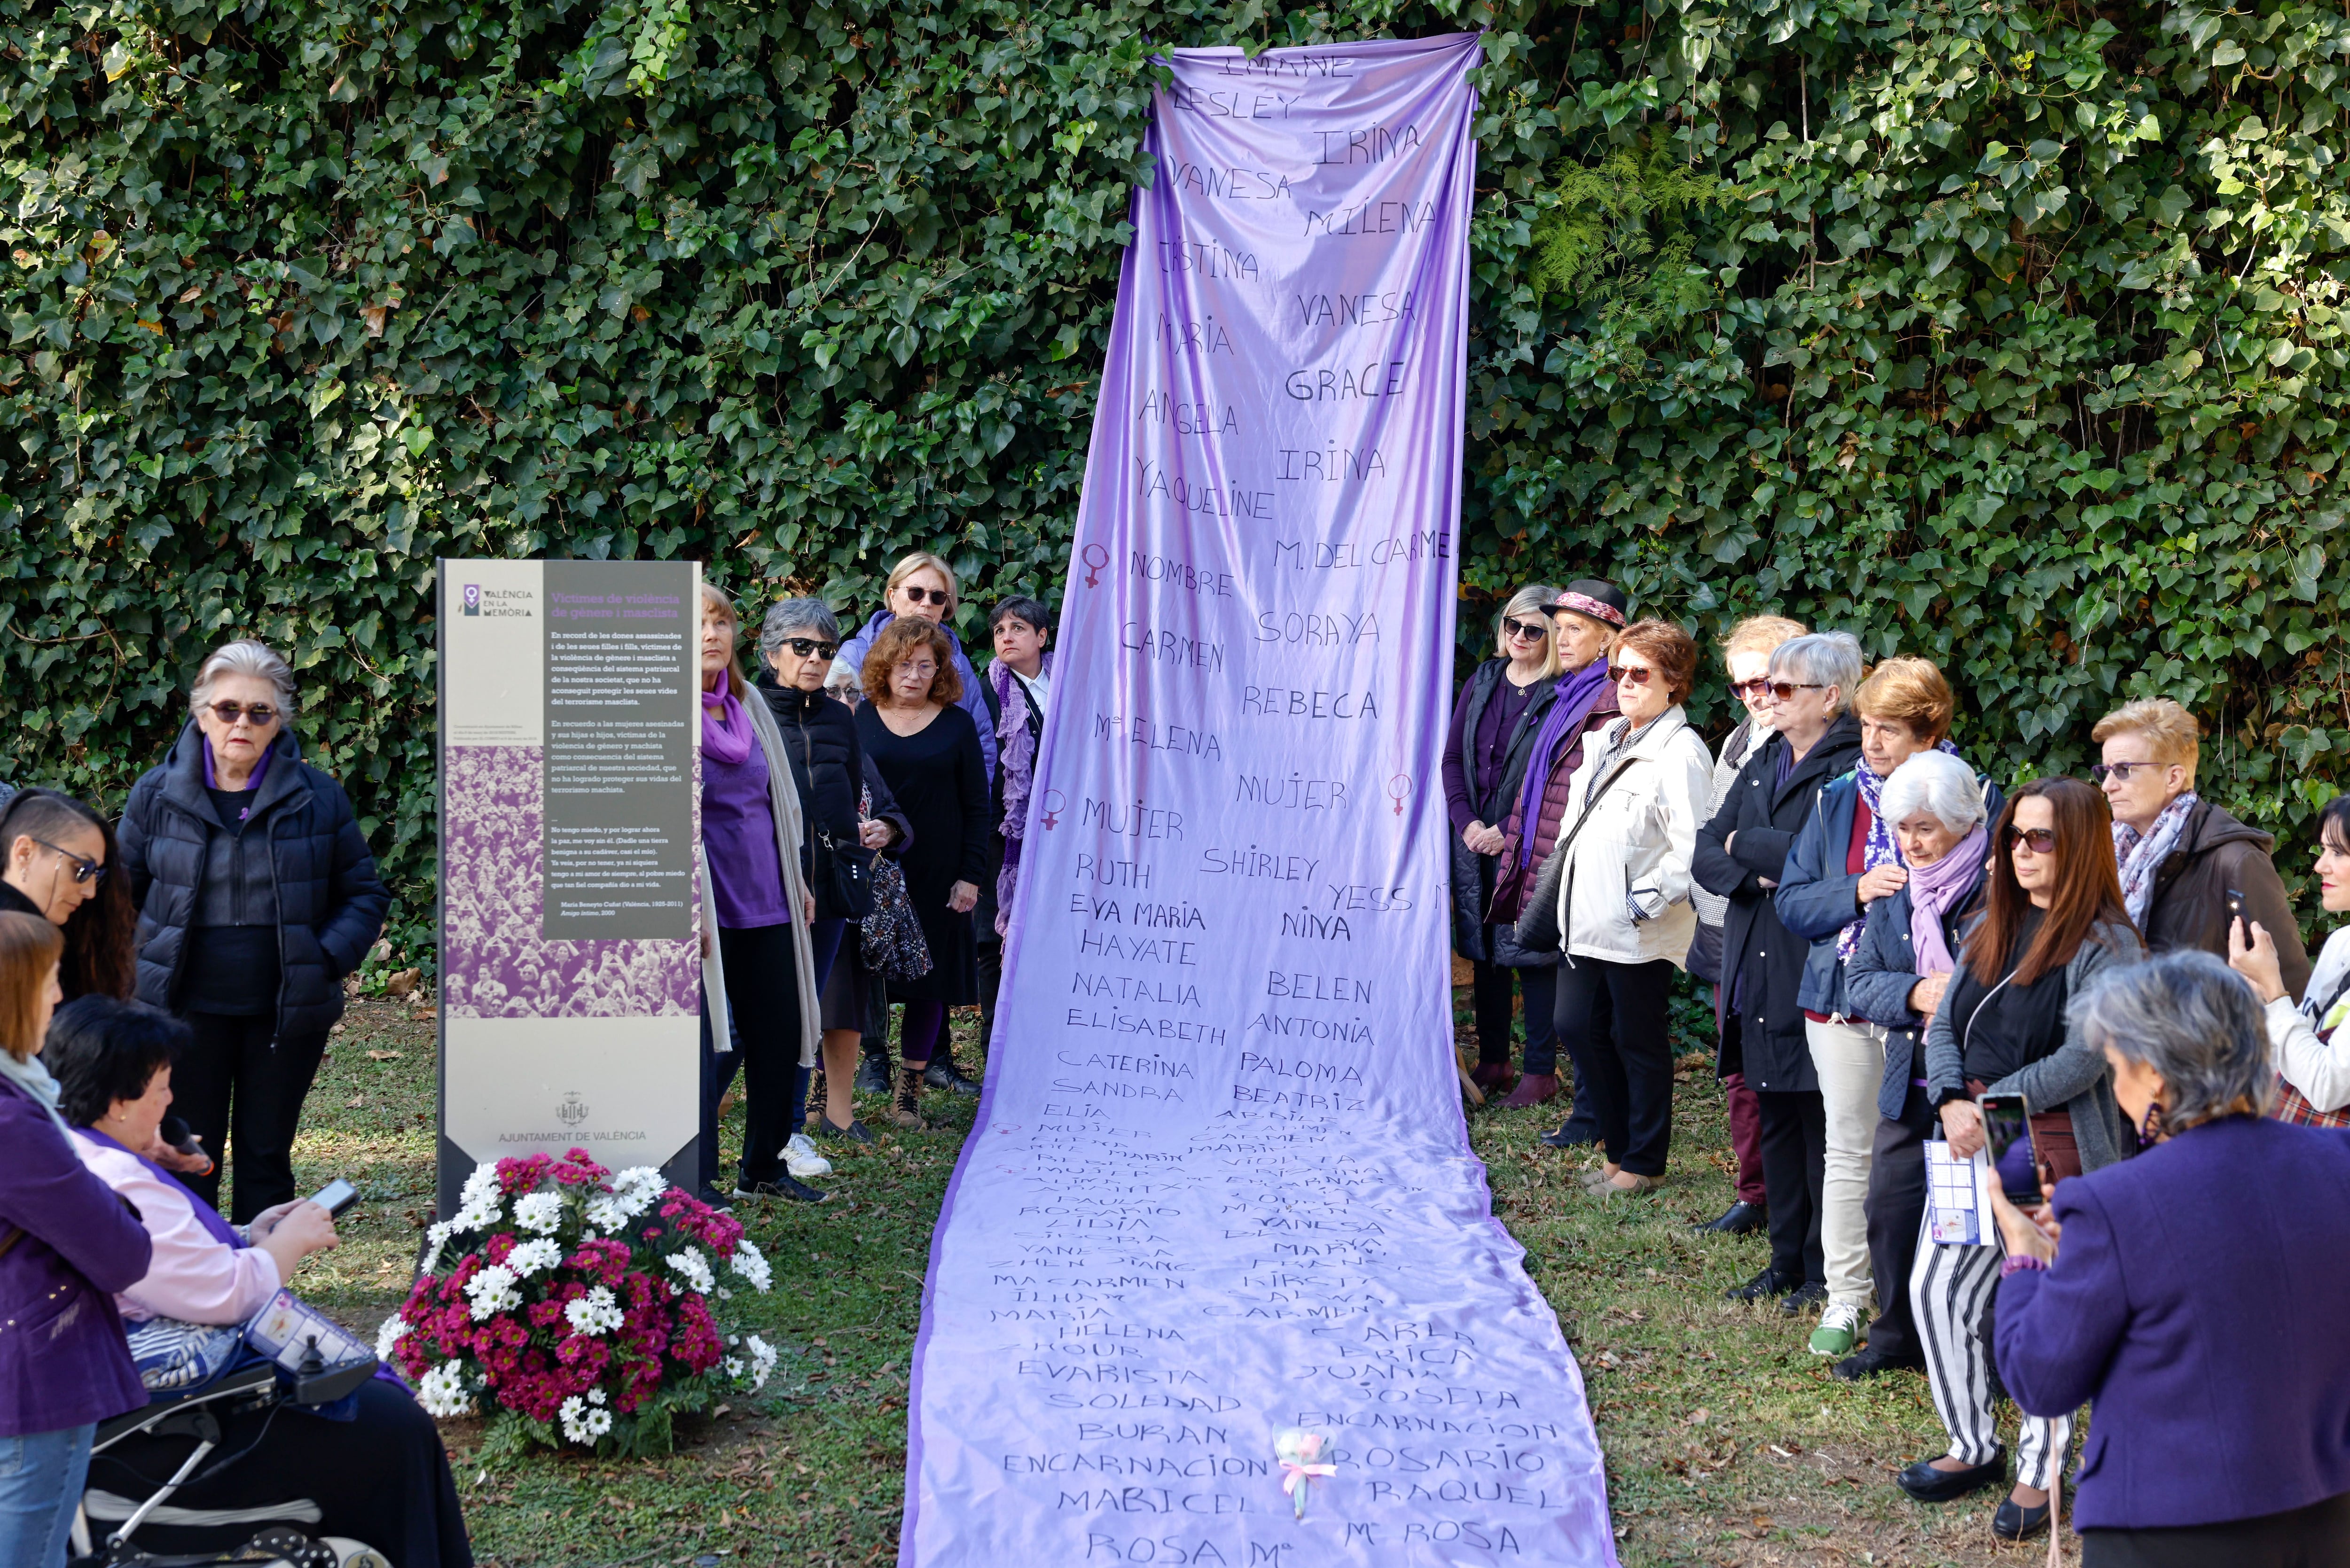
x: 844, y: 877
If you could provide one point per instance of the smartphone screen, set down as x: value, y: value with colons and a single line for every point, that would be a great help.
x: 336, y: 1196
x: 2007, y: 1135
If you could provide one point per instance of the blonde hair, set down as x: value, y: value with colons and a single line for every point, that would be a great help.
x: 1532, y: 599
x: 909, y: 564
x: 719, y: 604
x: 29, y: 949
x: 2171, y: 730
x: 1908, y: 691
x: 1760, y: 634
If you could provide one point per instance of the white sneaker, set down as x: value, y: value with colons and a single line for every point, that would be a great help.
x: 802, y: 1160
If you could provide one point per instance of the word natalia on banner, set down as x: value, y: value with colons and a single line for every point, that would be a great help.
x: 1218, y: 1280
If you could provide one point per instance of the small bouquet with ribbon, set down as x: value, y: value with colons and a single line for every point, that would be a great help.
x: 1298, y: 1450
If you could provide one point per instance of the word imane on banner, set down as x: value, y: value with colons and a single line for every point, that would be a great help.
x: 1218, y: 1280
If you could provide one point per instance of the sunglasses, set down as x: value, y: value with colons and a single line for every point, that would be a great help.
x: 83, y: 870
x: 1754, y: 688
x: 2122, y: 771
x: 1522, y: 631
x: 938, y: 597
x: 1784, y: 689
x: 261, y: 714
x: 809, y: 647
x: 1638, y: 674
x: 2042, y: 840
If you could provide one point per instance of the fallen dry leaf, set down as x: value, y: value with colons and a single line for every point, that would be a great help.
x: 383, y: 1055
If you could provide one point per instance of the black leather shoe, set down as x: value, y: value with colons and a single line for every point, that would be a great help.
x: 1762, y: 1287
x: 715, y: 1198
x: 1926, y: 1484
x: 1866, y: 1362
x: 2013, y: 1522
x: 874, y: 1073
x: 781, y: 1186
x: 1803, y: 1299
x: 948, y: 1076
x: 855, y: 1132
x: 1572, y: 1134
x: 1740, y: 1218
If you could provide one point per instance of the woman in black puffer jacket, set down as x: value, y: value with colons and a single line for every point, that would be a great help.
x: 256, y: 894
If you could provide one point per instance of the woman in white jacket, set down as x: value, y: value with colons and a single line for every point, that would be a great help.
x: 2307, y: 1042
x: 1621, y: 898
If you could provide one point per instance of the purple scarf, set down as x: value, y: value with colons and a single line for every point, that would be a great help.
x: 252, y: 782
x: 1881, y: 848
x: 218, y: 1229
x: 1578, y: 693
x: 725, y: 729
x: 1934, y: 891
x: 1015, y: 757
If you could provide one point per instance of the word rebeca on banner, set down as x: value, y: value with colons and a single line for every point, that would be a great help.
x: 1221, y: 1191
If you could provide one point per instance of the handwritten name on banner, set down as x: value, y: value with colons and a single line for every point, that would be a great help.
x: 1221, y: 1185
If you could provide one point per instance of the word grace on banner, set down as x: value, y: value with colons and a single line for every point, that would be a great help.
x: 1218, y: 1280
x: 571, y: 976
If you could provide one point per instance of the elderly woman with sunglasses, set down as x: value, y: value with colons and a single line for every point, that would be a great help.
x: 2052, y: 924
x: 256, y: 894
x: 1485, y: 752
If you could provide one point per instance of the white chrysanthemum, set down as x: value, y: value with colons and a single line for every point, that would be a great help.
x: 598, y: 1312
x: 437, y: 1238
x: 603, y: 1212
x: 733, y: 1366
x: 479, y: 1204
x: 492, y: 1291
x: 388, y: 1337
x: 693, y: 1268
x: 750, y: 1264
x: 535, y: 1257
x: 442, y: 1392
x: 539, y: 1211
x: 762, y: 1361
x: 585, y: 1419
x: 635, y: 1188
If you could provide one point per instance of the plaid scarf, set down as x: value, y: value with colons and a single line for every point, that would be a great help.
x: 2140, y: 854
x: 1015, y: 759
x: 1880, y: 849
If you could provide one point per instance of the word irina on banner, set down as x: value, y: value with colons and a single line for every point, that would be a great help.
x: 1218, y: 1281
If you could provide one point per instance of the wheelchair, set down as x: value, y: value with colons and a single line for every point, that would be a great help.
x: 197, y: 1413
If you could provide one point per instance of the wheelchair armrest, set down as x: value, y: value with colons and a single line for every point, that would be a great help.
x: 253, y: 1377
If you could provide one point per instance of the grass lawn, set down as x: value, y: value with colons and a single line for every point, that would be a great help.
x: 1726, y: 1442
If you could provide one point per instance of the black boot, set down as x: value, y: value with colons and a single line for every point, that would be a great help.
x: 873, y: 1071
x: 943, y: 1073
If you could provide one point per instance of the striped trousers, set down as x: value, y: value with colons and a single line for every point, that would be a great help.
x: 1950, y: 1291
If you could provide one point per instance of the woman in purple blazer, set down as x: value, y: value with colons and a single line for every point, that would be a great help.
x: 66, y: 1245
x: 2195, y: 1299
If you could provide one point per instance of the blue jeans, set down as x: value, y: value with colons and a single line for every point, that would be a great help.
x: 41, y: 1476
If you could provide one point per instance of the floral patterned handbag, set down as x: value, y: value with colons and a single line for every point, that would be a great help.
x: 890, y: 937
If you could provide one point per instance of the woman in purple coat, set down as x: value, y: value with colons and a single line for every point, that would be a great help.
x: 2192, y: 1294
x: 66, y: 1245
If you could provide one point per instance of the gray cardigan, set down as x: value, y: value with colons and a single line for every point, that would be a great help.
x: 2074, y: 1075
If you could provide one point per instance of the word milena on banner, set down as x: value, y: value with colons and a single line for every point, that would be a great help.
x: 1218, y: 1281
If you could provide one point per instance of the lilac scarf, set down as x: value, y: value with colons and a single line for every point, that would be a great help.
x: 1578, y: 693
x: 1015, y: 756
x: 1934, y: 891
x: 725, y: 729
x: 1881, y: 847
x: 252, y: 781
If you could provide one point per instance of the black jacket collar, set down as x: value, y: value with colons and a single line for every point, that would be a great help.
x: 1830, y: 755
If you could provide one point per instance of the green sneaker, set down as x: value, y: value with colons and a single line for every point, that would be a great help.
x: 1838, y: 1331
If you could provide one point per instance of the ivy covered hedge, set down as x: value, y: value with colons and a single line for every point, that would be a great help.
x: 2011, y: 335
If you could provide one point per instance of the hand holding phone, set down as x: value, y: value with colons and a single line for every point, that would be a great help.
x: 336, y: 1196
x: 2007, y: 1135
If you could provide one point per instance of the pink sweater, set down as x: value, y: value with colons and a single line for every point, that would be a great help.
x: 193, y: 1278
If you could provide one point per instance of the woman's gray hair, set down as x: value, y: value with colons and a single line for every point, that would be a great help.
x: 2192, y: 1019
x: 1821, y: 658
x: 244, y: 657
x: 1938, y: 784
x: 807, y: 617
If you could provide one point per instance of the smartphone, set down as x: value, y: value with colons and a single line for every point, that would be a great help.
x: 2007, y: 1136
x: 2236, y: 911
x: 336, y: 1196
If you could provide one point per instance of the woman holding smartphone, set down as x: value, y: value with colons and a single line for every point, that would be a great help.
x: 2052, y: 921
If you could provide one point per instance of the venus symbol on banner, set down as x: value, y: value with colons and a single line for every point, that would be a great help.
x: 1221, y: 1191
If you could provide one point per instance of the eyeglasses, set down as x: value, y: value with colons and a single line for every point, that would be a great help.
x: 2042, y: 840
x: 938, y: 597
x: 2122, y: 771
x: 1783, y: 689
x: 83, y: 870
x: 809, y: 647
x: 1754, y: 688
x: 1521, y: 631
x: 1638, y: 674
x: 261, y: 714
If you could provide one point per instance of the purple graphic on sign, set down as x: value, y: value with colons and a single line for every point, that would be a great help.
x: 1220, y: 1202
x: 498, y: 964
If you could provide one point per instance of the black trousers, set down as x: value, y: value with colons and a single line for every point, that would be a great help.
x: 381, y: 1477
x: 1613, y: 1017
x: 1896, y: 1207
x: 1794, y: 1156
x: 1490, y: 986
x: 991, y: 985
x: 762, y: 993
x: 2317, y: 1536
x: 242, y: 1095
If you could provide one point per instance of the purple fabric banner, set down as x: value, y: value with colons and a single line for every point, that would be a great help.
x: 1220, y: 1188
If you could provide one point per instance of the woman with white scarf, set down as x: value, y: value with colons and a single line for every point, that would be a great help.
x: 2306, y: 1042
x: 759, y: 972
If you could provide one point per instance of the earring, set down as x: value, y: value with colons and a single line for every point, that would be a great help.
x: 2152, y: 1130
